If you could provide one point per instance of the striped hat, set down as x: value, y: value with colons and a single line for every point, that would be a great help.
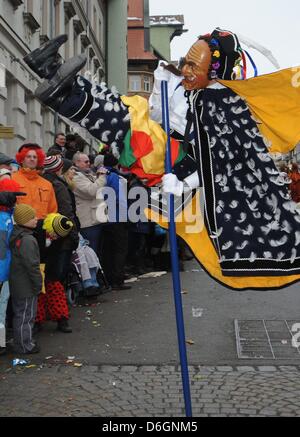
x: 62, y: 226
x: 53, y: 164
x: 23, y: 214
x: 58, y: 224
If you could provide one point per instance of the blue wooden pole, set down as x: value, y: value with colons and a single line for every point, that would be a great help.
x: 175, y: 263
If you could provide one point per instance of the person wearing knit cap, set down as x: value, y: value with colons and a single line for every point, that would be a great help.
x: 57, y: 227
x: 25, y: 215
x: 62, y: 228
x: 68, y: 174
x: 25, y: 279
x: 67, y: 164
x: 53, y: 164
x: 9, y: 190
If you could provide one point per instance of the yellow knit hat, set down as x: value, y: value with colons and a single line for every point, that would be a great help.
x: 23, y: 214
x: 58, y: 224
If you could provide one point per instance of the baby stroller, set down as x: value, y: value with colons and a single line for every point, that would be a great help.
x: 85, y: 270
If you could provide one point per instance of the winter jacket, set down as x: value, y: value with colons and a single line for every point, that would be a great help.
x: 40, y: 193
x: 25, y: 279
x: 73, y: 201
x: 64, y: 207
x: 90, y: 205
x: 6, y: 227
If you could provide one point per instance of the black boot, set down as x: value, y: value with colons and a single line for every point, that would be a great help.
x: 63, y: 326
x: 53, y: 92
x: 45, y: 60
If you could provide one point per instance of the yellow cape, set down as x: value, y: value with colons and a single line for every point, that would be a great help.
x: 205, y: 253
x: 274, y: 100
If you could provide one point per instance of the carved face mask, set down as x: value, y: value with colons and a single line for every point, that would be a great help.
x: 195, y: 66
x: 213, y: 56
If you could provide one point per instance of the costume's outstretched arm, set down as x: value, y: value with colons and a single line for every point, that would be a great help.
x: 263, y: 50
x: 119, y: 121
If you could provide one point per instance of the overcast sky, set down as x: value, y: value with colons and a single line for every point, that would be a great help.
x: 274, y: 24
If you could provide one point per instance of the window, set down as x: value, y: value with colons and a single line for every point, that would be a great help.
x: 147, y: 84
x: 134, y: 83
x: 100, y: 32
x: 95, y: 20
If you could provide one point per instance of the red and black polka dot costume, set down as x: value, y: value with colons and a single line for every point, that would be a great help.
x: 54, y: 302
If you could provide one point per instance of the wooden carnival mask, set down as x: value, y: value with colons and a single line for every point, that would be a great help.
x: 195, y: 66
x: 212, y: 57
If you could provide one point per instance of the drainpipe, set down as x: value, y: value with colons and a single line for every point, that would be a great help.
x: 52, y: 35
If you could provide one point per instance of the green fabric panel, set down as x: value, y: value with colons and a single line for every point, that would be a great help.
x: 181, y: 154
x: 127, y: 158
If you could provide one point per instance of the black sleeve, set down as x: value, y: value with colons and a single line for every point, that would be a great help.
x: 185, y: 167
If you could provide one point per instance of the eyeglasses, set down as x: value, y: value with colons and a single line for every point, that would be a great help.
x: 86, y: 162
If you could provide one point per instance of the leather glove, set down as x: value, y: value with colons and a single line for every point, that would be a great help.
x: 8, y: 198
x: 171, y: 184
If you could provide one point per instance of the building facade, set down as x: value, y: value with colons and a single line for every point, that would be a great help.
x: 24, y: 25
x: 149, y: 39
x: 141, y: 59
x: 163, y: 29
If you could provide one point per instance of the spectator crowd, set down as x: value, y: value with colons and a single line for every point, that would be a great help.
x: 55, y: 224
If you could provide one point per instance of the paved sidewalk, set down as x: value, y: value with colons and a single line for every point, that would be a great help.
x: 149, y: 391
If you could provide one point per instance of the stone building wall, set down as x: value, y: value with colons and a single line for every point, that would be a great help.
x: 24, y: 24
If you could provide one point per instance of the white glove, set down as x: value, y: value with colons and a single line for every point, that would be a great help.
x: 192, y: 180
x: 171, y: 184
x: 161, y: 73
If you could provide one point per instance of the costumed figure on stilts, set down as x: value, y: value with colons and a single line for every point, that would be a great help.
x: 223, y: 130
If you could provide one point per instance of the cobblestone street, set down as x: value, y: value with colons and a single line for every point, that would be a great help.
x: 122, y: 358
x: 150, y: 391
